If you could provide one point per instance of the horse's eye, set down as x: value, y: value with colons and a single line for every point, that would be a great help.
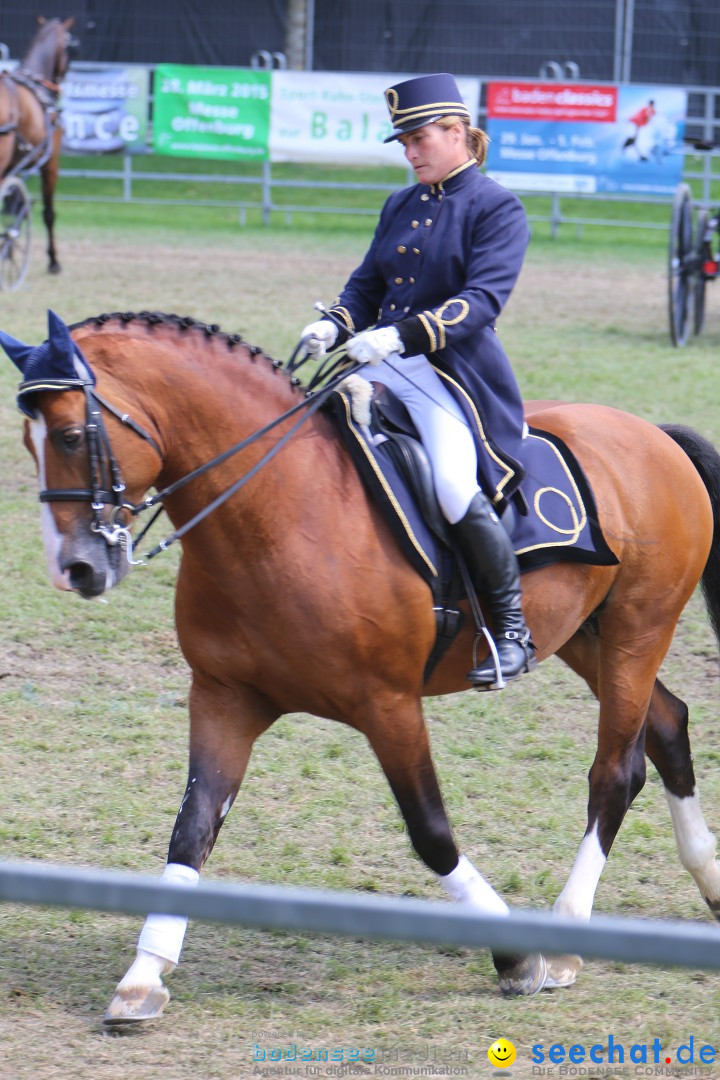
x: 72, y: 437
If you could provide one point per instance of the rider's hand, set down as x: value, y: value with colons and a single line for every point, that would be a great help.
x: 372, y: 346
x: 321, y: 336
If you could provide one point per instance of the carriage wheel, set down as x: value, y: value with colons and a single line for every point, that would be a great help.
x: 681, y: 266
x: 14, y: 233
x: 703, y: 254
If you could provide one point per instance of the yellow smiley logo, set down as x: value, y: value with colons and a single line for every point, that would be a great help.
x: 501, y: 1054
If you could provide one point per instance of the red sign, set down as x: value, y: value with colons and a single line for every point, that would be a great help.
x: 552, y: 101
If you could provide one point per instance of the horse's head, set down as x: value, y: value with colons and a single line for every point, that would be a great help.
x: 52, y: 48
x: 85, y: 504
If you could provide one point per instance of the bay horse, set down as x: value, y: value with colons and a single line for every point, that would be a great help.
x: 122, y: 403
x: 30, y: 128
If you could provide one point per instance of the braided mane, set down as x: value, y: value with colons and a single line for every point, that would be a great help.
x: 183, y: 323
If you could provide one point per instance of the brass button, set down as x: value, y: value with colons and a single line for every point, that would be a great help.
x: 398, y: 281
x: 425, y: 197
x: 440, y: 198
x: 416, y: 251
x: 402, y: 249
x: 392, y: 307
x: 406, y: 309
x: 428, y: 221
x: 414, y: 224
x: 411, y: 280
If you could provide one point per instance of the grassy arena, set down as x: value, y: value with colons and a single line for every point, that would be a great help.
x: 94, y: 723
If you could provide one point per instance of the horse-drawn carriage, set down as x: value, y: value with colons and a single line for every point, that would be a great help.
x: 30, y: 137
x: 693, y: 260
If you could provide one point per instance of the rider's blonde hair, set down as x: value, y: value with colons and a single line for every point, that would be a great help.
x: 477, y: 140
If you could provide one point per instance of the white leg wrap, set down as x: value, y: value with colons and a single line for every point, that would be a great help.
x: 146, y: 971
x: 163, y: 934
x: 576, y: 899
x: 469, y: 887
x: 696, y: 844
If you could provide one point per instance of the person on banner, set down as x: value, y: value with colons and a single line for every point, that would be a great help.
x: 445, y: 256
x: 640, y: 120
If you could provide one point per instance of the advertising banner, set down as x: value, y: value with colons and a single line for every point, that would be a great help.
x: 105, y: 109
x: 582, y: 138
x: 339, y: 117
x: 211, y: 112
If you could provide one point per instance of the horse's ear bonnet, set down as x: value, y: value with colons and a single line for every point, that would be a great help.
x: 57, y: 364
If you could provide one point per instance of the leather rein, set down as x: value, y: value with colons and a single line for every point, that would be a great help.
x: 107, y: 488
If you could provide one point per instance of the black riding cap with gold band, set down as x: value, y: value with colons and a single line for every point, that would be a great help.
x: 424, y: 100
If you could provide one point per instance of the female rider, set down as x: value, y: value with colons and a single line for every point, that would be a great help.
x: 445, y: 256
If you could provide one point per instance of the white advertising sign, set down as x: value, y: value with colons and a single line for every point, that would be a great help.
x: 339, y: 117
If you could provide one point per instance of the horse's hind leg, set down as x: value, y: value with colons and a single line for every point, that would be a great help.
x: 48, y: 178
x: 224, y: 724
x: 668, y: 747
x: 667, y: 744
x: 616, y: 777
x: 399, y: 740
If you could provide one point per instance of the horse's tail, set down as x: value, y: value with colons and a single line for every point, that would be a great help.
x: 706, y: 460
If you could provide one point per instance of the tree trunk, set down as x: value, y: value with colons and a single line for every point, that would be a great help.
x: 296, y: 22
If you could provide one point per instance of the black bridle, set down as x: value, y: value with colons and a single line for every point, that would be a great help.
x: 107, y: 488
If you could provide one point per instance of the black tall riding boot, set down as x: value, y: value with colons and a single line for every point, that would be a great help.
x: 494, y: 570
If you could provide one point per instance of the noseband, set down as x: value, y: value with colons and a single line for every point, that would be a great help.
x: 107, y: 487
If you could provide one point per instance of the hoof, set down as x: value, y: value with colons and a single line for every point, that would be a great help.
x: 521, y: 975
x: 561, y: 971
x: 54, y: 268
x: 714, y: 906
x: 136, y: 1004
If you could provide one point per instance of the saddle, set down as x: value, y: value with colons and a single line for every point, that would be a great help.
x: 550, y: 518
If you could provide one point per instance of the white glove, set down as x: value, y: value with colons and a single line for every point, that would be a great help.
x: 372, y: 346
x: 322, y: 336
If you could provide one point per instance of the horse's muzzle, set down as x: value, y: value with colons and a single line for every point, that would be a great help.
x: 92, y: 565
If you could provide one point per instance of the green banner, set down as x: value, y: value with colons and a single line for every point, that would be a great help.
x: 211, y: 112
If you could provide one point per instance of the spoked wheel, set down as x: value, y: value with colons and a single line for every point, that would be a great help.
x: 681, y: 266
x: 702, y: 255
x: 14, y: 233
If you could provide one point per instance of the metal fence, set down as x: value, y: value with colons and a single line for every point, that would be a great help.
x: 667, y: 943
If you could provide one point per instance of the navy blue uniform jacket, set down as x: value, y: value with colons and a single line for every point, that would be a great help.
x: 441, y: 266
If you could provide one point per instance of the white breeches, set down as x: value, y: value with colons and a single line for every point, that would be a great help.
x: 441, y: 425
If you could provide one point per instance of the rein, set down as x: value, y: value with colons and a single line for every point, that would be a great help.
x: 311, y: 404
x: 107, y: 487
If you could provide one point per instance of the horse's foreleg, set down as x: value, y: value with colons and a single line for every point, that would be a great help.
x: 223, y: 727
x: 668, y: 747
x: 402, y: 748
x: 48, y: 179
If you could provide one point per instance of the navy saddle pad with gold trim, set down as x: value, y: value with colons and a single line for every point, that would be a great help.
x: 558, y: 522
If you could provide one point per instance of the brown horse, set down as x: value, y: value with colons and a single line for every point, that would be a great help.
x: 302, y: 547
x: 30, y: 129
